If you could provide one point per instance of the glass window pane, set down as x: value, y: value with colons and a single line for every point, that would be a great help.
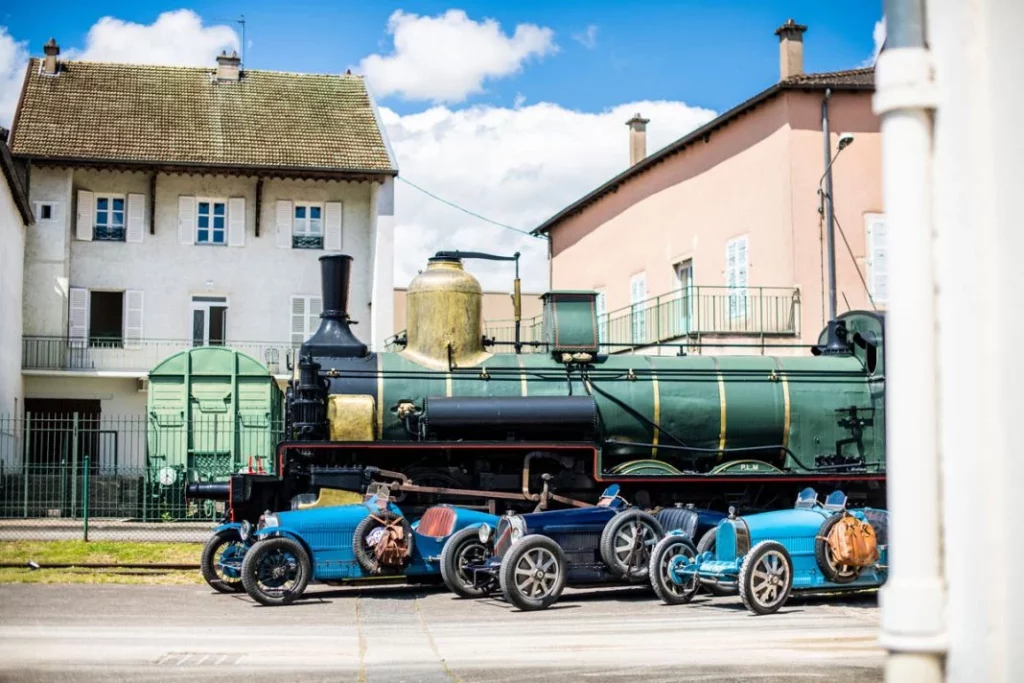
x: 101, y: 218
x: 101, y: 203
x: 218, y: 209
x: 118, y: 205
x: 300, y: 212
x: 218, y: 222
x: 204, y: 222
x: 118, y: 218
x: 315, y: 226
x: 218, y: 236
x: 314, y: 212
x: 198, y: 327
x: 204, y: 236
x: 204, y: 207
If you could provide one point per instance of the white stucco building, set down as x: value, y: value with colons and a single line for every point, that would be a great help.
x: 186, y: 206
x: 15, y: 218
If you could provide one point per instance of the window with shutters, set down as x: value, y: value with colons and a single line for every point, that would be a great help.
x: 211, y: 221
x: 108, y: 225
x: 736, y: 277
x: 106, y: 319
x: 308, y: 227
x: 877, y: 261
x: 682, y: 311
x: 209, y: 320
x: 637, y: 296
x: 305, y: 317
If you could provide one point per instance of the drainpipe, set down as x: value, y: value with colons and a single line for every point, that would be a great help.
x: 913, y: 599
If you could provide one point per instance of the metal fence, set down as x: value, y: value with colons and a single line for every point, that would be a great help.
x: 101, y: 477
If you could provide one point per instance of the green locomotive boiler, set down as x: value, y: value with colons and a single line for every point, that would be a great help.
x: 449, y: 411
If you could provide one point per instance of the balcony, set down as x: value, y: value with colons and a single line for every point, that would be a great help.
x: 131, y: 358
x: 678, y: 315
x: 112, y: 233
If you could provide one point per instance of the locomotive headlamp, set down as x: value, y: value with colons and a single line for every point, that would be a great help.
x: 245, y: 530
x: 484, y: 533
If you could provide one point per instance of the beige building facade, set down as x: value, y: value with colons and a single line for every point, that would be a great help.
x: 720, y: 237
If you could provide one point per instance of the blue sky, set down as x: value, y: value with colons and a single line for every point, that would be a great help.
x: 711, y: 54
x: 512, y: 110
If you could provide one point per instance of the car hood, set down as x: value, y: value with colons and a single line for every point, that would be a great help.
x: 785, y: 523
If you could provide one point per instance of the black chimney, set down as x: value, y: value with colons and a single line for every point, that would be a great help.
x: 334, y: 338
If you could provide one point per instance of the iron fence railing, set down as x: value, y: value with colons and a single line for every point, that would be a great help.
x: 126, y: 473
x: 679, y: 314
x: 61, y: 353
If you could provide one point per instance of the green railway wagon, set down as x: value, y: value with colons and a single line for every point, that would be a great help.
x: 212, y: 410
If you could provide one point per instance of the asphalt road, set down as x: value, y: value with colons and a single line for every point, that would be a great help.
x: 424, y: 635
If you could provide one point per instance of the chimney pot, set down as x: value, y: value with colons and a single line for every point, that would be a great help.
x: 51, y: 49
x: 228, y: 67
x: 791, y: 49
x: 637, y: 138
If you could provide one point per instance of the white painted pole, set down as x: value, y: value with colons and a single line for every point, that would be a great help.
x: 913, y: 599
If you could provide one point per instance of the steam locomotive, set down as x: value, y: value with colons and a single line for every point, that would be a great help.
x: 449, y: 412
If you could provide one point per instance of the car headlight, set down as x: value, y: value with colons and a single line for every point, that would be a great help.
x: 484, y: 533
x: 267, y: 521
x: 245, y: 530
x: 518, y: 528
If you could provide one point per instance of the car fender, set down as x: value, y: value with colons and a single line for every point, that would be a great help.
x: 228, y: 525
x: 277, y: 531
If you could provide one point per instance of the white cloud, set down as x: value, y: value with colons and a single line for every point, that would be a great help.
x: 587, y: 38
x: 176, y: 38
x: 878, y: 34
x: 448, y: 57
x: 516, y: 166
x: 13, y: 60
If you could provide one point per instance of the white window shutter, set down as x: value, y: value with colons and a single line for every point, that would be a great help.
x: 878, y: 268
x: 133, y: 319
x: 298, y: 317
x: 332, y: 226
x: 86, y: 215
x: 236, y: 222
x: 186, y: 220
x: 313, y: 316
x: 741, y: 263
x: 136, y: 217
x: 284, y: 224
x: 78, y: 316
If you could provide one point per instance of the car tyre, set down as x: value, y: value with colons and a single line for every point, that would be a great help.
x: 263, y: 561
x: 665, y: 588
x: 364, y: 553
x: 533, y: 553
x: 221, y: 543
x: 617, y: 550
x: 823, y: 554
x: 766, y: 577
x: 461, y: 549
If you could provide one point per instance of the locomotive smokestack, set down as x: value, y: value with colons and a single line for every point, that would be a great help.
x: 334, y: 338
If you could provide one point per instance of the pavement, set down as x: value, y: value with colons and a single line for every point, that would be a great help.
x: 425, y: 635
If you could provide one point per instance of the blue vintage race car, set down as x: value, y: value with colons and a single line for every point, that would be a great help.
x: 768, y: 555
x: 287, y: 550
x: 537, y: 554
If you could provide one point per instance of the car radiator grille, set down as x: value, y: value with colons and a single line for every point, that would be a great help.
x: 437, y: 522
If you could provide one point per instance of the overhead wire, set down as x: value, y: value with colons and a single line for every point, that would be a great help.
x: 467, y: 211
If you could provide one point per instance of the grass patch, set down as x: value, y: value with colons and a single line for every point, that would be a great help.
x: 149, y: 577
x: 99, y: 552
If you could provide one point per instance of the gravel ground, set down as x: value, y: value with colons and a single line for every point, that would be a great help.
x: 399, y: 633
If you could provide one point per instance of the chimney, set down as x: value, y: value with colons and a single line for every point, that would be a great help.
x: 228, y: 67
x: 637, y: 138
x: 791, y: 49
x: 51, y: 50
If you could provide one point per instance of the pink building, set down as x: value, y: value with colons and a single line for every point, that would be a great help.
x: 720, y: 237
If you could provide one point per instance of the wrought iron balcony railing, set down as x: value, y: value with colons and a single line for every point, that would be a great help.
x: 61, y: 353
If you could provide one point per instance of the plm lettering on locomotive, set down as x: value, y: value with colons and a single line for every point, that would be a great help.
x: 451, y: 411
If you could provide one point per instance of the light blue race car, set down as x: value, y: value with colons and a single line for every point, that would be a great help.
x: 287, y: 550
x: 768, y: 555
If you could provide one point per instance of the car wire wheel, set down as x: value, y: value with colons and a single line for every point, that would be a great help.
x: 532, y: 574
x: 276, y: 571
x: 627, y: 541
x: 667, y: 550
x: 766, y: 577
x: 221, y: 561
x: 459, y: 552
x: 833, y: 571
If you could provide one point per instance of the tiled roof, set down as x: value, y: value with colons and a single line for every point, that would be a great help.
x: 853, y: 79
x: 180, y: 115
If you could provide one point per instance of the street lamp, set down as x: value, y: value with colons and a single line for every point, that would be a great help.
x: 826, y: 207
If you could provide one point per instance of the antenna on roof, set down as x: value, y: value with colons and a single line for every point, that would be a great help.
x: 241, y: 20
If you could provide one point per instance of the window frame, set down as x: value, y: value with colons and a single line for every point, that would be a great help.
x: 737, y: 294
x: 638, y: 323
x: 204, y: 302
x: 601, y: 311
x: 303, y: 236
x: 54, y: 207
x: 104, y: 342
x: 212, y: 201
x: 108, y: 227
x: 684, y: 306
